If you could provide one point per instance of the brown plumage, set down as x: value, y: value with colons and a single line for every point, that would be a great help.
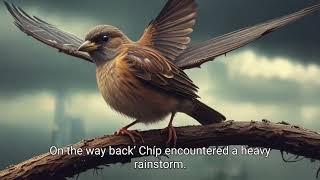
x: 145, y: 79
x: 139, y: 79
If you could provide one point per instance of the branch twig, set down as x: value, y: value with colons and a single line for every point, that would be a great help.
x: 281, y: 136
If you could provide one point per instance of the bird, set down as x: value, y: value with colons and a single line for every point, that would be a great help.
x: 145, y: 79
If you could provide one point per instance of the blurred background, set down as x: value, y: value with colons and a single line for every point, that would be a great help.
x: 48, y: 98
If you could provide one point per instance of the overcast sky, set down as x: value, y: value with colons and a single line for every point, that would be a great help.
x: 276, y: 77
x: 27, y: 65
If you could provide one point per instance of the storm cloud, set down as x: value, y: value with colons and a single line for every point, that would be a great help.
x: 275, y: 77
x: 215, y: 18
x: 27, y: 65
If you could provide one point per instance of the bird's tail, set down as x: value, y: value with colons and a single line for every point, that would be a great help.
x: 204, y: 114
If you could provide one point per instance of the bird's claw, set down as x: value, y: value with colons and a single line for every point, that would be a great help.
x: 131, y: 133
x: 172, y: 135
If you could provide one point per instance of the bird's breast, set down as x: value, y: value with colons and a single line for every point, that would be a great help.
x: 125, y: 93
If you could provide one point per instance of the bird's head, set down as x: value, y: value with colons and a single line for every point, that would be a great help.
x: 104, y: 43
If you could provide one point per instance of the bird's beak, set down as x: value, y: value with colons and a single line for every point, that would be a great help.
x: 88, y: 46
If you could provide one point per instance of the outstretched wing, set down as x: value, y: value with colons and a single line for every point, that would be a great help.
x: 196, y: 55
x: 47, y: 33
x: 153, y: 69
x: 169, y: 32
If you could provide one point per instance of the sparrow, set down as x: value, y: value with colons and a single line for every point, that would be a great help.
x: 145, y: 79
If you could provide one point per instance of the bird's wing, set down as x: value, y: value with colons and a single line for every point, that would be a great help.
x: 169, y: 32
x: 153, y: 69
x: 196, y: 55
x: 47, y: 33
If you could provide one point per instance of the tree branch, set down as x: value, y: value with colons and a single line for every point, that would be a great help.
x: 281, y: 136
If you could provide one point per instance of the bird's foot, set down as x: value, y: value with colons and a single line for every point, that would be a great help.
x: 172, y: 135
x: 133, y: 134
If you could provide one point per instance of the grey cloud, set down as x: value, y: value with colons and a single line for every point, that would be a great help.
x: 27, y: 65
x: 300, y: 39
x: 215, y: 18
x: 260, y: 91
x: 30, y: 66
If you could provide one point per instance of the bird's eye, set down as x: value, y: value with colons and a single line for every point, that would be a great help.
x: 105, y: 38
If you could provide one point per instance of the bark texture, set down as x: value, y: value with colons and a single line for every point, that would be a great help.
x: 280, y: 136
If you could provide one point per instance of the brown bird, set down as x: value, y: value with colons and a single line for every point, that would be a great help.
x: 145, y: 80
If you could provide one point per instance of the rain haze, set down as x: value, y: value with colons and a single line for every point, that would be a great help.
x: 48, y: 98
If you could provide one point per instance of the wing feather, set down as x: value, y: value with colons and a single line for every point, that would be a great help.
x: 47, y: 33
x: 153, y: 69
x: 206, y: 51
x: 169, y: 32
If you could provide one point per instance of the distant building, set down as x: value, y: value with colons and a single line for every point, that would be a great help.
x: 67, y: 129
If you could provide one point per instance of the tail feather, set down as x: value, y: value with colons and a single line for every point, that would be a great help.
x: 204, y: 114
